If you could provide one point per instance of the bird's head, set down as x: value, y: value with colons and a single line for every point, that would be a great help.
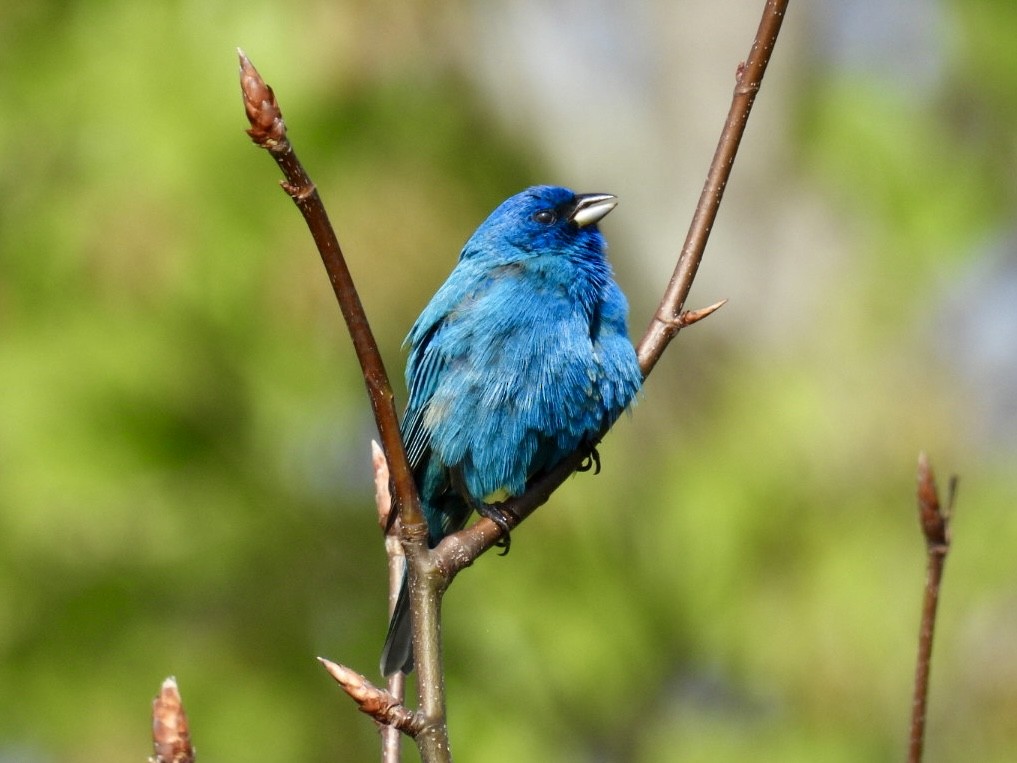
x: 543, y: 220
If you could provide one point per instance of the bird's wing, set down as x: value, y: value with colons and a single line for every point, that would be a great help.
x: 424, y: 369
x: 429, y: 356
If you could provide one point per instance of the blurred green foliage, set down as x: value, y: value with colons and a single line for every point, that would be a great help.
x: 184, y: 469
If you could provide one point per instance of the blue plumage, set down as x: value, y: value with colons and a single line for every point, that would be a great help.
x: 522, y: 356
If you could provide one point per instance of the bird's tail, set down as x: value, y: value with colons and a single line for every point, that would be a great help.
x: 397, y: 653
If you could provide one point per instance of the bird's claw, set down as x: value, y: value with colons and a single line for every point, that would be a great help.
x: 501, y: 516
x: 592, y: 461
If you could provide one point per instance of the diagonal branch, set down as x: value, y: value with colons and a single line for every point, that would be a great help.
x: 460, y: 550
x: 748, y: 80
x: 268, y: 130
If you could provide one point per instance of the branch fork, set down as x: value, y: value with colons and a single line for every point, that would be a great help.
x: 431, y: 570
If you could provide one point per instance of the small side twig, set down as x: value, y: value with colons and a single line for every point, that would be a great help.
x: 171, y: 736
x: 375, y: 702
x: 688, y: 317
x: 935, y: 523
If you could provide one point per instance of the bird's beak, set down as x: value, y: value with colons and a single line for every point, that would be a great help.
x: 590, y: 208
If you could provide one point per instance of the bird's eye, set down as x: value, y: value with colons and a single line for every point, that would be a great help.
x: 545, y: 216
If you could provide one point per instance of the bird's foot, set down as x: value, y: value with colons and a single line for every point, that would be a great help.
x: 592, y: 461
x: 501, y: 516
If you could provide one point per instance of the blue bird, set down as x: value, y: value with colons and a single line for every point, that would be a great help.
x: 521, y: 357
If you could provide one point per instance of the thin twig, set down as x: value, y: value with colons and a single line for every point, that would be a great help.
x: 748, y: 80
x: 268, y: 130
x: 391, y: 737
x: 375, y: 702
x: 171, y: 736
x: 935, y: 523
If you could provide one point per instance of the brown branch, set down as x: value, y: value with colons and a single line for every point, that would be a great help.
x: 935, y: 523
x: 377, y: 703
x: 170, y: 734
x: 268, y: 130
x: 460, y: 550
x: 391, y: 738
x: 748, y: 79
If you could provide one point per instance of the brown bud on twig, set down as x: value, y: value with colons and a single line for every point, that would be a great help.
x: 170, y: 733
x: 268, y: 129
x: 935, y: 522
x: 934, y: 519
x: 375, y: 702
x: 688, y: 317
x: 382, y: 490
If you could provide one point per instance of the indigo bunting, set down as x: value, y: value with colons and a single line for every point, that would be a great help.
x: 521, y: 357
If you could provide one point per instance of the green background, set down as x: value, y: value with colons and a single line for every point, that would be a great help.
x: 184, y: 462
